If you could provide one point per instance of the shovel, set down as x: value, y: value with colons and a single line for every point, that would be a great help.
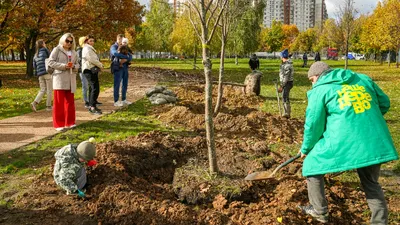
x: 263, y: 175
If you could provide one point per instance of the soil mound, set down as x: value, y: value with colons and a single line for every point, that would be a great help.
x: 240, y: 116
x: 162, y: 178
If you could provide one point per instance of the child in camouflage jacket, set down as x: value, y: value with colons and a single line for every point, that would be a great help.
x: 69, y: 170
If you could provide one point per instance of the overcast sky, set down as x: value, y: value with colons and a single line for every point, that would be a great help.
x: 363, y: 6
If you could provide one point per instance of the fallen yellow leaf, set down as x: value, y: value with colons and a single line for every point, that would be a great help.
x: 279, y: 219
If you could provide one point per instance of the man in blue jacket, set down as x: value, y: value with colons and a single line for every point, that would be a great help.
x: 345, y: 130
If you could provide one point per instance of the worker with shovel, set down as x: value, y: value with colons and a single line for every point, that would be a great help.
x: 69, y: 170
x: 286, y: 73
x: 345, y: 130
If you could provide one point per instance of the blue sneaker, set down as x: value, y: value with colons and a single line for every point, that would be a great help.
x: 309, y: 209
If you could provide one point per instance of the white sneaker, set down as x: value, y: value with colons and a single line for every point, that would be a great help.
x: 59, y: 128
x: 33, y: 106
x: 49, y: 108
x: 118, y: 104
x: 72, y: 126
x: 125, y: 102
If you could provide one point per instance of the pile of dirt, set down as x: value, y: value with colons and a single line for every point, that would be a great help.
x: 239, y: 117
x: 159, y: 74
x: 134, y: 183
x: 162, y: 178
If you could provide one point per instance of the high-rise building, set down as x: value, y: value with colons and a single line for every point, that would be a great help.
x: 179, y: 7
x: 303, y: 13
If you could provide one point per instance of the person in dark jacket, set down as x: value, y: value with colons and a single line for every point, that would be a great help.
x: 317, y: 57
x: 254, y: 63
x: 286, y: 77
x: 122, y: 58
x: 45, y: 80
x: 305, y: 59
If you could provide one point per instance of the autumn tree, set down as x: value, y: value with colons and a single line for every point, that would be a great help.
x: 49, y: 19
x: 160, y: 21
x: 290, y: 32
x: 346, y: 18
x: 275, y: 37
x: 246, y: 29
x: 7, y: 13
x: 329, y: 36
x: 142, y: 42
x: 184, y: 39
x: 206, y: 11
x: 388, y: 26
x: 305, y: 40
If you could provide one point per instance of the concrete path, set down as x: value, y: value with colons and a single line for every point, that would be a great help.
x: 22, y: 130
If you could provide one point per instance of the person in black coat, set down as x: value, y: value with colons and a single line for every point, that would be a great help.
x: 317, y: 57
x: 305, y: 59
x: 254, y: 63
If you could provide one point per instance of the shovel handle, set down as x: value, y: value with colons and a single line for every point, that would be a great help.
x: 285, y: 163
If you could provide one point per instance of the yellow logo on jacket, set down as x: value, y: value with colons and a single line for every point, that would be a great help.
x: 356, y: 96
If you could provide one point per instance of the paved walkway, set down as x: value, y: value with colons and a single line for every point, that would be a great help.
x: 22, y: 130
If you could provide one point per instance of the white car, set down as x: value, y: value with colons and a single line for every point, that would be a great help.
x: 358, y: 56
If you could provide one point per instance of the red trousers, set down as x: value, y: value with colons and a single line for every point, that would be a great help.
x: 63, y: 109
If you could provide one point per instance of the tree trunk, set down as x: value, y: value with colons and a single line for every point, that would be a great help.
x: 236, y: 60
x: 22, y: 54
x: 388, y: 57
x: 30, y: 43
x: 346, y: 63
x: 398, y: 58
x: 12, y: 55
x: 220, y: 80
x: 209, y: 111
x: 195, y: 58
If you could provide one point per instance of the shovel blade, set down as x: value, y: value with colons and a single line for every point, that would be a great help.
x: 262, y: 175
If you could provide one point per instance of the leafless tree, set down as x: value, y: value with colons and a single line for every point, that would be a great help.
x: 346, y: 20
x: 208, y: 12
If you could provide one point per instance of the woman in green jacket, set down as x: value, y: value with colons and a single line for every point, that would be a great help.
x: 345, y: 130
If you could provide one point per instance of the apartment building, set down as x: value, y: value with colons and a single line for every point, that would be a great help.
x: 178, y: 6
x: 303, y: 13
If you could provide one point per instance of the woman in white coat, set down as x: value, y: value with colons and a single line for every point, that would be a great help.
x: 64, y: 60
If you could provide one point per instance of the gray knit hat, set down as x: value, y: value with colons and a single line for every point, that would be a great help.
x: 86, y: 150
x: 317, y: 69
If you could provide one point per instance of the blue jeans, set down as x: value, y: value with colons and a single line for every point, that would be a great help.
x: 120, y: 75
x: 85, y: 88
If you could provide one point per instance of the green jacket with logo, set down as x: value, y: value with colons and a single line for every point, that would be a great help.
x: 344, y: 127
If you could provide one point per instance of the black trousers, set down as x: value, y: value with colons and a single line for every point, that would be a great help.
x: 286, y: 91
x: 93, y: 80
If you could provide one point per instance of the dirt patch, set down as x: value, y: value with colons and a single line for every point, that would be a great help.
x: 162, y: 178
x: 240, y: 116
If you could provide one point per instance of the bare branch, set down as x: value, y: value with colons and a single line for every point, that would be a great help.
x: 217, y: 20
x: 192, y: 21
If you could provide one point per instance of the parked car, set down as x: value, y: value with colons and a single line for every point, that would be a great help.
x: 350, y: 55
x: 359, y: 56
x: 356, y: 56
